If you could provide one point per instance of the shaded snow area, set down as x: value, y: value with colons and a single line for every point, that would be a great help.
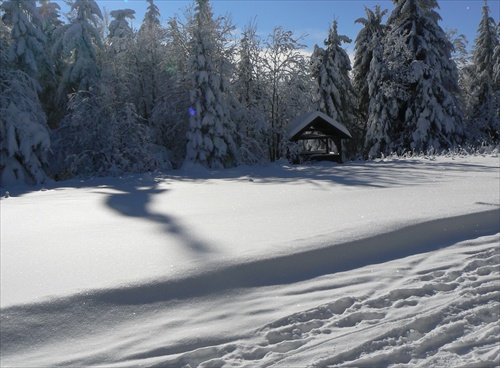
x: 374, y: 264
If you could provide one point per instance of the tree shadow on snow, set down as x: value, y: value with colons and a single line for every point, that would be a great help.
x: 132, y: 201
x: 373, y: 174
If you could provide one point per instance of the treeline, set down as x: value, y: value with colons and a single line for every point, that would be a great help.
x: 92, y: 96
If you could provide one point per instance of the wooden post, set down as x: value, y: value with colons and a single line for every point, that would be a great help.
x: 338, y: 143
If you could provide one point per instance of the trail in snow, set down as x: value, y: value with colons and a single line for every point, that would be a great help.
x: 438, y: 308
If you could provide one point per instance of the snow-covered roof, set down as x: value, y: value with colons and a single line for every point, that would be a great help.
x: 306, y: 120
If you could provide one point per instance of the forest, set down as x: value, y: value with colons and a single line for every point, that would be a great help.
x: 90, y: 96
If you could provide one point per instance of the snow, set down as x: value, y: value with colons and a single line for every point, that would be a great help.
x: 385, y: 263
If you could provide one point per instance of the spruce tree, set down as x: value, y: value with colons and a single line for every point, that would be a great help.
x: 484, y: 119
x: 423, y: 80
x: 77, y: 44
x: 370, y: 37
x: 330, y: 68
x: 26, y: 50
x: 382, y: 105
x: 149, y: 54
x: 50, y: 73
x: 120, y: 32
x: 210, y: 135
x: 248, y: 93
x: 24, y: 135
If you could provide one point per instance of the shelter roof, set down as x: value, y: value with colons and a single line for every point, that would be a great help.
x: 320, y: 122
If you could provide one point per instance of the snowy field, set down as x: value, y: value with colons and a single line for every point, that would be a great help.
x: 367, y: 264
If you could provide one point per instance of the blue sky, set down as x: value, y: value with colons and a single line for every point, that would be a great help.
x: 312, y: 17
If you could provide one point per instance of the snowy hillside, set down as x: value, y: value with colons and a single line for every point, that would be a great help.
x: 388, y: 263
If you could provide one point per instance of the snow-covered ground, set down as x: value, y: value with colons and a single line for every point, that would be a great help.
x: 384, y: 263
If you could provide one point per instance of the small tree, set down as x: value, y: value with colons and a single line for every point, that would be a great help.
x: 101, y: 136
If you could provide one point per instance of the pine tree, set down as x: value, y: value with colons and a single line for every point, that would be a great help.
x: 370, y: 37
x: 49, y: 74
x: 248, y: 92
x: 210, y: 136
x: 424, y: 80
x: 26, y: 51
x: 151, y: 18
x: 484, y: 112
x: 49, y: 13
x: 120, y: 32
x: 330, y: 69
x: 382, y: 105
x: 24, y: 135
x: 149, y: 59
x: 77, y: 43
x: 102, y: 135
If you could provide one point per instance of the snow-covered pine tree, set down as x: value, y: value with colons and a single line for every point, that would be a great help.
x: 76, y: 43
x: 26, y: 50
x: 211, y: 131
x: 150, y: 52
x: 484, y: 119
x: 120, y: 31
x: 151, y: 18
x: 330, y: 68
x: 24, y: 135
x: 424, y: 79
x: 118, y: 59
x: 382, y: 104
x: 49, y: 13
x: 496, y: 58
x: 369, y: 37
x: 248, y: 92
x: 101, y: 135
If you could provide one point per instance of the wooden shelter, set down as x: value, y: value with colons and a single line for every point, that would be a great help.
x: 320, y: 136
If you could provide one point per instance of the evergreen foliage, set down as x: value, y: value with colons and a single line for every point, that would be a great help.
x: 330, y: 68
x: 100, y: 138
x: 24, y: 135
x: 370, y: 37
x: 211, y: 131
x: 120, y: 31
x: 249, y: 94
x: 26, y: 51
x: 422, y: 81
x: 484, y: 87
x: 77, y: 44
